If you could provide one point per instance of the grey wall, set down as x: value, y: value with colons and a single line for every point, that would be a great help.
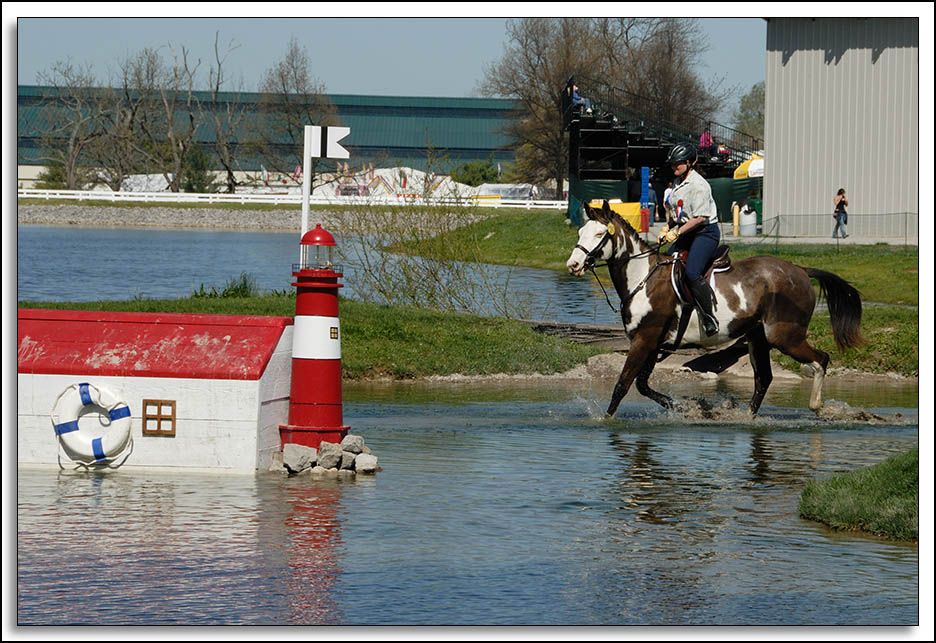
x: 842, y: 111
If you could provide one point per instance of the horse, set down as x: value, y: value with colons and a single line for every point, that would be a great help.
x: 760, y: 302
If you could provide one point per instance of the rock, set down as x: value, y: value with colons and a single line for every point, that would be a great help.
x: 352, y: 443
x: 329, y: 455
x: 318, y: 471
x: 297, y: 457
x: 365, y: 463
x: 345, y: 473
x: 347, y: 460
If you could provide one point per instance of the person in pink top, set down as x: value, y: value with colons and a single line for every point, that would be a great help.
x: 707, y: 143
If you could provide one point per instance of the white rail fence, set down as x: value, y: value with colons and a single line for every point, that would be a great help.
x: 284, y: 199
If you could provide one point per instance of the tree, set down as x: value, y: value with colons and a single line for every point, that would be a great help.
x: 474, y: 173
x: 291, y: 98
x: 167, y: 113
x: 227, y: 117
x: 196, y: 177
x: 649, y: 58
x: 72, y: 120
x: 749, y: 117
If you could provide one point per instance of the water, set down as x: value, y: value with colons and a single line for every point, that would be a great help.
x: 76, y: 263
x: 496, y: 505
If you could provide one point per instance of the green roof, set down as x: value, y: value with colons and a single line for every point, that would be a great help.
x: 393, y: 128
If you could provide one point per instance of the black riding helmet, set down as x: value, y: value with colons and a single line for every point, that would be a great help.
x: 682, y: 152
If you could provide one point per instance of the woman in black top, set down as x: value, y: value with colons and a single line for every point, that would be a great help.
x: 840, y: 215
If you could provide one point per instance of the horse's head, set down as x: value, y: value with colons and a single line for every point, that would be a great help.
x: 596, y: 240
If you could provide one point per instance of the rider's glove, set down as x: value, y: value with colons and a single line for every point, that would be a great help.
x: 671, y: 236
x: 663, y: 232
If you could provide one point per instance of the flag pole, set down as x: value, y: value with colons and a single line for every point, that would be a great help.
x: 306, y: 184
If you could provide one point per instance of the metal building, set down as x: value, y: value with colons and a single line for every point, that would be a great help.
x: 842, y: 111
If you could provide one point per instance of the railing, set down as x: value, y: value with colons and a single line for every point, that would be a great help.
x: 287, y: 199
x: 890, y: 227
x: 669, y: 124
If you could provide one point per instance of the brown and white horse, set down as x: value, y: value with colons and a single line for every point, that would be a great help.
x: 764, y: 301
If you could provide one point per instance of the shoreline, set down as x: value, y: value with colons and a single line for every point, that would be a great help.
x: 289, y: 220
x: 285, y: 220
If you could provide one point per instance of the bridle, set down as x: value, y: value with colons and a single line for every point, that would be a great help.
x: 591, y: 258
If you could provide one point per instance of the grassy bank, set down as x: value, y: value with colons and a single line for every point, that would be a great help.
x: 882, y: 499
x: 390, y: 341
x: 881, y: 272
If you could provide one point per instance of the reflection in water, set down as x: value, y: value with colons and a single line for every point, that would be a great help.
x: 313, y: 533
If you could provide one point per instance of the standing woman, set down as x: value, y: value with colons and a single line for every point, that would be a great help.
x: 839, y: 213
x: 693, y: 227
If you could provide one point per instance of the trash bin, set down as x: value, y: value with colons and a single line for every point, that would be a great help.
x: 747, y: 223
x: 757, y: 204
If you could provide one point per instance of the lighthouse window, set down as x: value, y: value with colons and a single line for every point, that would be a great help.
x: 333, y: 332
x: 159, y: 417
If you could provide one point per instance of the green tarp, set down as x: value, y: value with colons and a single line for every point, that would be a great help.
x: 584, y: 191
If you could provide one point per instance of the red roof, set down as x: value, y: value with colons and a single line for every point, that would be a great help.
x: 73, y: 342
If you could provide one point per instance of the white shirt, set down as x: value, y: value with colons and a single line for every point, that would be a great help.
x: 696, y: 195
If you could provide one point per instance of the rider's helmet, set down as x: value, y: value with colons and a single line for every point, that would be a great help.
x: 682, y: 152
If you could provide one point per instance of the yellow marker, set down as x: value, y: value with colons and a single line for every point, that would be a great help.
x: 611, y: 229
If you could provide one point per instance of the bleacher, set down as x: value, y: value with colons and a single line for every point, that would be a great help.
x: 625, y: 130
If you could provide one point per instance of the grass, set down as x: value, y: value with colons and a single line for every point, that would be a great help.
x: 891, y: 342
x: 398, y: 342
x: 881, y: 272
x: 882, y: 499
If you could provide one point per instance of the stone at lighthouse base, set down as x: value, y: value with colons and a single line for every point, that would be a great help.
x: 350, y: 456
x: 311, y: 436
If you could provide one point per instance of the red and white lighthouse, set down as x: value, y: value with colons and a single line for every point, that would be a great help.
x: 315, y: 388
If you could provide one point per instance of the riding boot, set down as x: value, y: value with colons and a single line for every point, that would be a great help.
x: 703, y: 297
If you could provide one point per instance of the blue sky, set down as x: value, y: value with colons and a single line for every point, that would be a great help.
x: 383, y: 56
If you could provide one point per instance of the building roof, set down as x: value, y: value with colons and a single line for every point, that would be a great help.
x: 93, y: 343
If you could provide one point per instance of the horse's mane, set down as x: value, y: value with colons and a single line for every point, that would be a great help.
x: 607, y: 215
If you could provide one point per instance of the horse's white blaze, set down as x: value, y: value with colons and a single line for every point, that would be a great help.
x: 590, y: 235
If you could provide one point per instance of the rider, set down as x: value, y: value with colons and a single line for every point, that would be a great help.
x: 694, y: 226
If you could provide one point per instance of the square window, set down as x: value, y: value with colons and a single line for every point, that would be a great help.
x: 159, y: 417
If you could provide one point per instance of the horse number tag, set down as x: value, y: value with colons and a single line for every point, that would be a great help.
x: 611, y: 229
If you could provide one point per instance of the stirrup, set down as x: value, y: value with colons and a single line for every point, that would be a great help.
x: 708, y: 323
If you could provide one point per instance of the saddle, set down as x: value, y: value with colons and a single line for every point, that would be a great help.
x: 720, y: 262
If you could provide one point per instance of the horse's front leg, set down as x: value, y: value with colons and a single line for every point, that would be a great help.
x: 641, y: 350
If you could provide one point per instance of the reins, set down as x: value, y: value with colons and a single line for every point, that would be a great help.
x: 643, y: 282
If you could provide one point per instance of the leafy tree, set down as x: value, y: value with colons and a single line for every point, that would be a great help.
x: 474, y: 173
x: 52, y: 177
x: 749, y: 117
x: 196, y: 177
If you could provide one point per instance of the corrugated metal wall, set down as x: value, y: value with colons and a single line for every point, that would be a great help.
x: 842, y: 111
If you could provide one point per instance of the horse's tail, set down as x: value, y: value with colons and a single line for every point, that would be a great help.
x: 844, y: 307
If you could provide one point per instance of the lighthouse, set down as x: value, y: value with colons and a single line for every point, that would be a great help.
x: 315, y: 414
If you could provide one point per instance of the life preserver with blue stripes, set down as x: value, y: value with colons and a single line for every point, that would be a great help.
x: 82, y: 445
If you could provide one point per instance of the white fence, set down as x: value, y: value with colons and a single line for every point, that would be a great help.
x: 285, y: 199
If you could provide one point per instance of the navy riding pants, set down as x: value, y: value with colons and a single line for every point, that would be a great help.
x: 701, y: 244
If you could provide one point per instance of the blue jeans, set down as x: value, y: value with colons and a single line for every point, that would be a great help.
x: 839, y: 223
x: 701, y: 244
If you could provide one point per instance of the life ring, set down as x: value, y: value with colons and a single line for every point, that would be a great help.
x: 79, y: 445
